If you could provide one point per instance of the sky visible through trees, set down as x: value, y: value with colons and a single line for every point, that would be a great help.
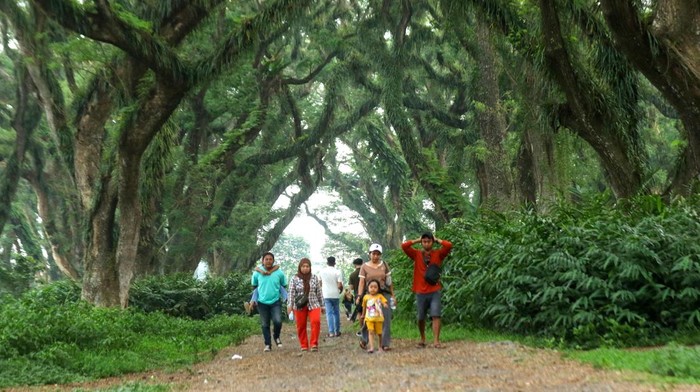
x: 151, y: 135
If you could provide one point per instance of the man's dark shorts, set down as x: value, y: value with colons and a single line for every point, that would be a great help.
x: 429, y: 304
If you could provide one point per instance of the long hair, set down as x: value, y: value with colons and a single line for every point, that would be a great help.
x: 306, y: 278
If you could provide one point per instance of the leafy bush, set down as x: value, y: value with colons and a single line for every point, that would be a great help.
x: 18, y: 277
x: 47, y: 338
x: 182, y: 295
x: 588, y: 275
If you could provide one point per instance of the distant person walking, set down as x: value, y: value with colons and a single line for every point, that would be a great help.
x: 348, y: 300
x: 332, y: 284
x: 354, y: 282
x: 376, y: 269
x: 428, y: 291
x: 269, y: 303
x: 306, y: 283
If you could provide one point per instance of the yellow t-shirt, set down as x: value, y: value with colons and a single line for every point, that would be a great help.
x: 373, y: 305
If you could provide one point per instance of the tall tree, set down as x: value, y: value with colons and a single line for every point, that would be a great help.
x: 661, y: 40
x: 153, y: 79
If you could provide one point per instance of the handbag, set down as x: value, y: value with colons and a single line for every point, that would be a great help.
x: 301, y: 300
x: 432, y: 274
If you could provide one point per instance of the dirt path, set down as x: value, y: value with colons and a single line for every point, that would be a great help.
x: 340, y: 365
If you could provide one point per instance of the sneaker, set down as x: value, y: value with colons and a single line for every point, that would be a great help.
x: 267, y: 348
x: 278, y: 342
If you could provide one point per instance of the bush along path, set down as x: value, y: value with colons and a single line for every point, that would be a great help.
x: 341, y: 365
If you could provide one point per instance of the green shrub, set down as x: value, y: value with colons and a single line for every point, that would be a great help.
x: 588, y: 274
x: 50, y: 336
x: 18, y: 277
x: 182, y: 295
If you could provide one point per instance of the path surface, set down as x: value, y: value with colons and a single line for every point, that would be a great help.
x: 340, y: 365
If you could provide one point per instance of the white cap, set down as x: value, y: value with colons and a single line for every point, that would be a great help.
x: 374, y: 247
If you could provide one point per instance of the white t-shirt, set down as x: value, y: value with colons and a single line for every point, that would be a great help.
x: 330, y: 276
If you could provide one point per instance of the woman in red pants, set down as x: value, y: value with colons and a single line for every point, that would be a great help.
x: 310, y: 312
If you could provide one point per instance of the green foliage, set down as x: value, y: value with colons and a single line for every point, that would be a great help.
x: 672, y: 361
x: 586, y: 275
x: 18, y: 276
x: 676, y: 361
x: 182, y: 295
x: 47, y: 338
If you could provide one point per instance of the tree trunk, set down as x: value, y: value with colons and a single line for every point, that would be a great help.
x: 26, y: 119
x: 66, y: 249
x: 129, y: 219
x: 527, y: 175
x: 493, y: 172
x: 667, y: 52
x: 101, y: 277
x: 617, y: 145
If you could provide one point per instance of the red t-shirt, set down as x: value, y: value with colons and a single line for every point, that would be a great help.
x: 420, y: 286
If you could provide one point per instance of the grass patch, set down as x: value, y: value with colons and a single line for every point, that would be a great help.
x: 672, y: 363
x: 408, y: 329
x: 77, y: 343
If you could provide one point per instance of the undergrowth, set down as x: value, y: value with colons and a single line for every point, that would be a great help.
x: 48, y: 337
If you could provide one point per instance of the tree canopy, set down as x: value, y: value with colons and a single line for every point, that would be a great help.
x: 141, y: 137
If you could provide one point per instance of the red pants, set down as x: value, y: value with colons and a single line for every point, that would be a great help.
x: 314, y: 316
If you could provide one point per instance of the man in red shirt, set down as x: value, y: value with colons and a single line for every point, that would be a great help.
x: 428, y: 296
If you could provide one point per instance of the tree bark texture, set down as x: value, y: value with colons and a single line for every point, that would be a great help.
x: 493, y: 172
x: 617, y: 145
x: 667, y: 52
x: 114, y: 217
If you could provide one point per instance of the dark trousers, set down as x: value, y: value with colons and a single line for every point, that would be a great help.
x: 357, y: 310
x: 270, y: 312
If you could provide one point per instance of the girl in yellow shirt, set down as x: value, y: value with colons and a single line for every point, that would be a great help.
x: 373, y: 315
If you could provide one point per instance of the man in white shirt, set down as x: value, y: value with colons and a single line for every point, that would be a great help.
x: 332, y: 286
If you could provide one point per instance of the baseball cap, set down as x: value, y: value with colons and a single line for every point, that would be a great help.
x: 374, y: 247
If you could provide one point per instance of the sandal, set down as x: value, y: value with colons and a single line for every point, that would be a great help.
x: 420, y: 345
x: 438, y: 345
x: 363, y: 344
x: 386, y: 348
x: 370, y: 351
